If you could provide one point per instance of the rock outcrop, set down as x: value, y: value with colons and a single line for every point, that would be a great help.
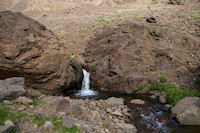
x: 11, y: 88
x: 129, y: 57
x: 187, y: 111
x: 30, y: 50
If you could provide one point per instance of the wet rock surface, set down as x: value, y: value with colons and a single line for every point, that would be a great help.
x: 30, y: 50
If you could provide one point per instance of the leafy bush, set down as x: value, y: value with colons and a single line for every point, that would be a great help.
x: 173, y: 94
x: 163, y: 79
x: 93, y: 65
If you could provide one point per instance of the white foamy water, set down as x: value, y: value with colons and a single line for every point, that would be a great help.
x: 85, y: 91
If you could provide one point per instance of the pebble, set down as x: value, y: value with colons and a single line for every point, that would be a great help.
x: 137, y: 101
x: 48, y: 125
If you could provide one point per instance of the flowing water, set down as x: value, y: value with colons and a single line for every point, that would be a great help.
x: 85, y: 91
x: 152, y: 117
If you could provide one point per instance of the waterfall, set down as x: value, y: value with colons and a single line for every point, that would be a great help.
x: 85, y: 91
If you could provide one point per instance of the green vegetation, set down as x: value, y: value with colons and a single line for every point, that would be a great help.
x: 166, y: 24
x: 38, y: 121
x: 198, y: 80
x: 183, y: 15
x: 93, y: 65
x: 163, y: 79
x: 62, y: 42
x: 7, y: 114
x: 173, y: 94
x: 193, y: 21
x: 142, y: 87
x: 139, y: 18
x: 196, y: 15
x: 58, y: 127
x: 104, y: 125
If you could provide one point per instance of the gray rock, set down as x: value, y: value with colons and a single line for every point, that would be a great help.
x: 8, y: 126
x: 116, y: 101
x: 126, y: 128
x: 66, y: 122
x: 76, y: 110
x: 9, y: 123
x: 11, y: 88
x: 187, y: 111
x: 48, y: 125
x: 7, y: 102
x: 63, y: 105
x: 137, y: 101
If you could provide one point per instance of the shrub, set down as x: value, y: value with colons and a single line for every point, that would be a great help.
x: 93, y: 65
x: 163, y: 79
x: 173, y: 94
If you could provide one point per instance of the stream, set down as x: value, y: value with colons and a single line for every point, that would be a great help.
x: 152, y: 117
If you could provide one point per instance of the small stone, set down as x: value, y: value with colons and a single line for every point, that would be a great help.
x: 137, y: 101
x: 66, y: 122
x: 153, y: 96
x: 7, y: 102
x: 48, y: 125
x: 9, y: 123
x: 116, y: 101
x: 116, y: 120
x: 117, y: 113
x: 22, y: 108
x: 24, y: 100
x: 162, y: 99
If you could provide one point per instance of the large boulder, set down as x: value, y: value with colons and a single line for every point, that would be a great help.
x: 11, y: 88
x: 30, y: 50
x: 187, y: 111
x: 129, y: 57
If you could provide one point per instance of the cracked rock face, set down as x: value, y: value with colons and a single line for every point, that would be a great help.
x: 30, y: 50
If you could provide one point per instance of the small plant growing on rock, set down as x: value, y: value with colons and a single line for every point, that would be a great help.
x: 142, y: 87
x: 192, y: 21
x: 93, y: 65
x: 163, y: 79
x: 139, y: 18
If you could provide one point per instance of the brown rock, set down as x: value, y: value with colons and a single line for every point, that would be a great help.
x: 30, y: 50
x: 33, y: 92
x: 24, y: 100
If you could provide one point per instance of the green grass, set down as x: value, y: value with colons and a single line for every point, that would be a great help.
x: 58, y: 127
x: 7, y: 114
x: 166, y: 24
x: 93, y: 65
x: 196, y: 15
x: 198, y: 80
x: 163, y: 79
x: 38, y: 121
x: 173, y: 94
x: 192, y: 21
x: 183, y: 15
x: 139, y: 18
x: 142, y: 87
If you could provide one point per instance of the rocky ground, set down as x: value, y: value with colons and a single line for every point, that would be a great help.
x: 127, y: 45
x: 55, y: 114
